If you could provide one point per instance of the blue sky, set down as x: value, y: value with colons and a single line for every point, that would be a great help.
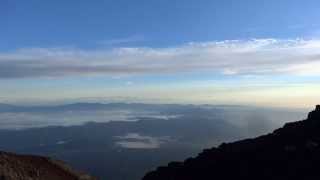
x: 160, y: 51
x: 80, y: 23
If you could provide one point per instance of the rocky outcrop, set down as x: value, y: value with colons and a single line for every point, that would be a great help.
x: 22, y: 167
x: 289, y: 153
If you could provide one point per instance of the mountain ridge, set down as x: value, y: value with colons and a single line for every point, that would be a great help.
x: 290, y: 152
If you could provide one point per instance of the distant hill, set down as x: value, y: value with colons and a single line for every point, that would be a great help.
x: 22, y: 167
x: 91, y: 106
x: 291, y: 152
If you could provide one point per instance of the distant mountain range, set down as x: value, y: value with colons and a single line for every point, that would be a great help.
x: 118, y: 150
x: 92, y: 136
x: 289, y: 153
x: 88, y: 107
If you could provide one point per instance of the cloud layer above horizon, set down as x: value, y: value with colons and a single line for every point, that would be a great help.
x: 231, y: 57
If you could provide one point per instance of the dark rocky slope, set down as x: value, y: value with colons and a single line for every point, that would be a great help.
x: 20, y: 167
x: 291, y: 152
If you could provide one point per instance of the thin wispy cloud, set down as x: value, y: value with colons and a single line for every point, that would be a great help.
x: 236, y: 57
x: 122, y: 41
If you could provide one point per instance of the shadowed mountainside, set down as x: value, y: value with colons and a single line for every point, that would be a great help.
x: 291, y: 152
x: 22, y: 167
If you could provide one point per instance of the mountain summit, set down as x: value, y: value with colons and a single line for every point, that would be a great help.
x: 289, y: 153
x: 315, y: 115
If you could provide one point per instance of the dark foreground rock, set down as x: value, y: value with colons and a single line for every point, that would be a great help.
x: 20, y: 167
x: 289, y: 153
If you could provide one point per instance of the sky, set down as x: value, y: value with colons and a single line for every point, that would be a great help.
x: 245, y: 52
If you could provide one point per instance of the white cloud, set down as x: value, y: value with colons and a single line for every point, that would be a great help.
x: 129, y: 83
x: 137, y: 141
x: 232, y: 57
